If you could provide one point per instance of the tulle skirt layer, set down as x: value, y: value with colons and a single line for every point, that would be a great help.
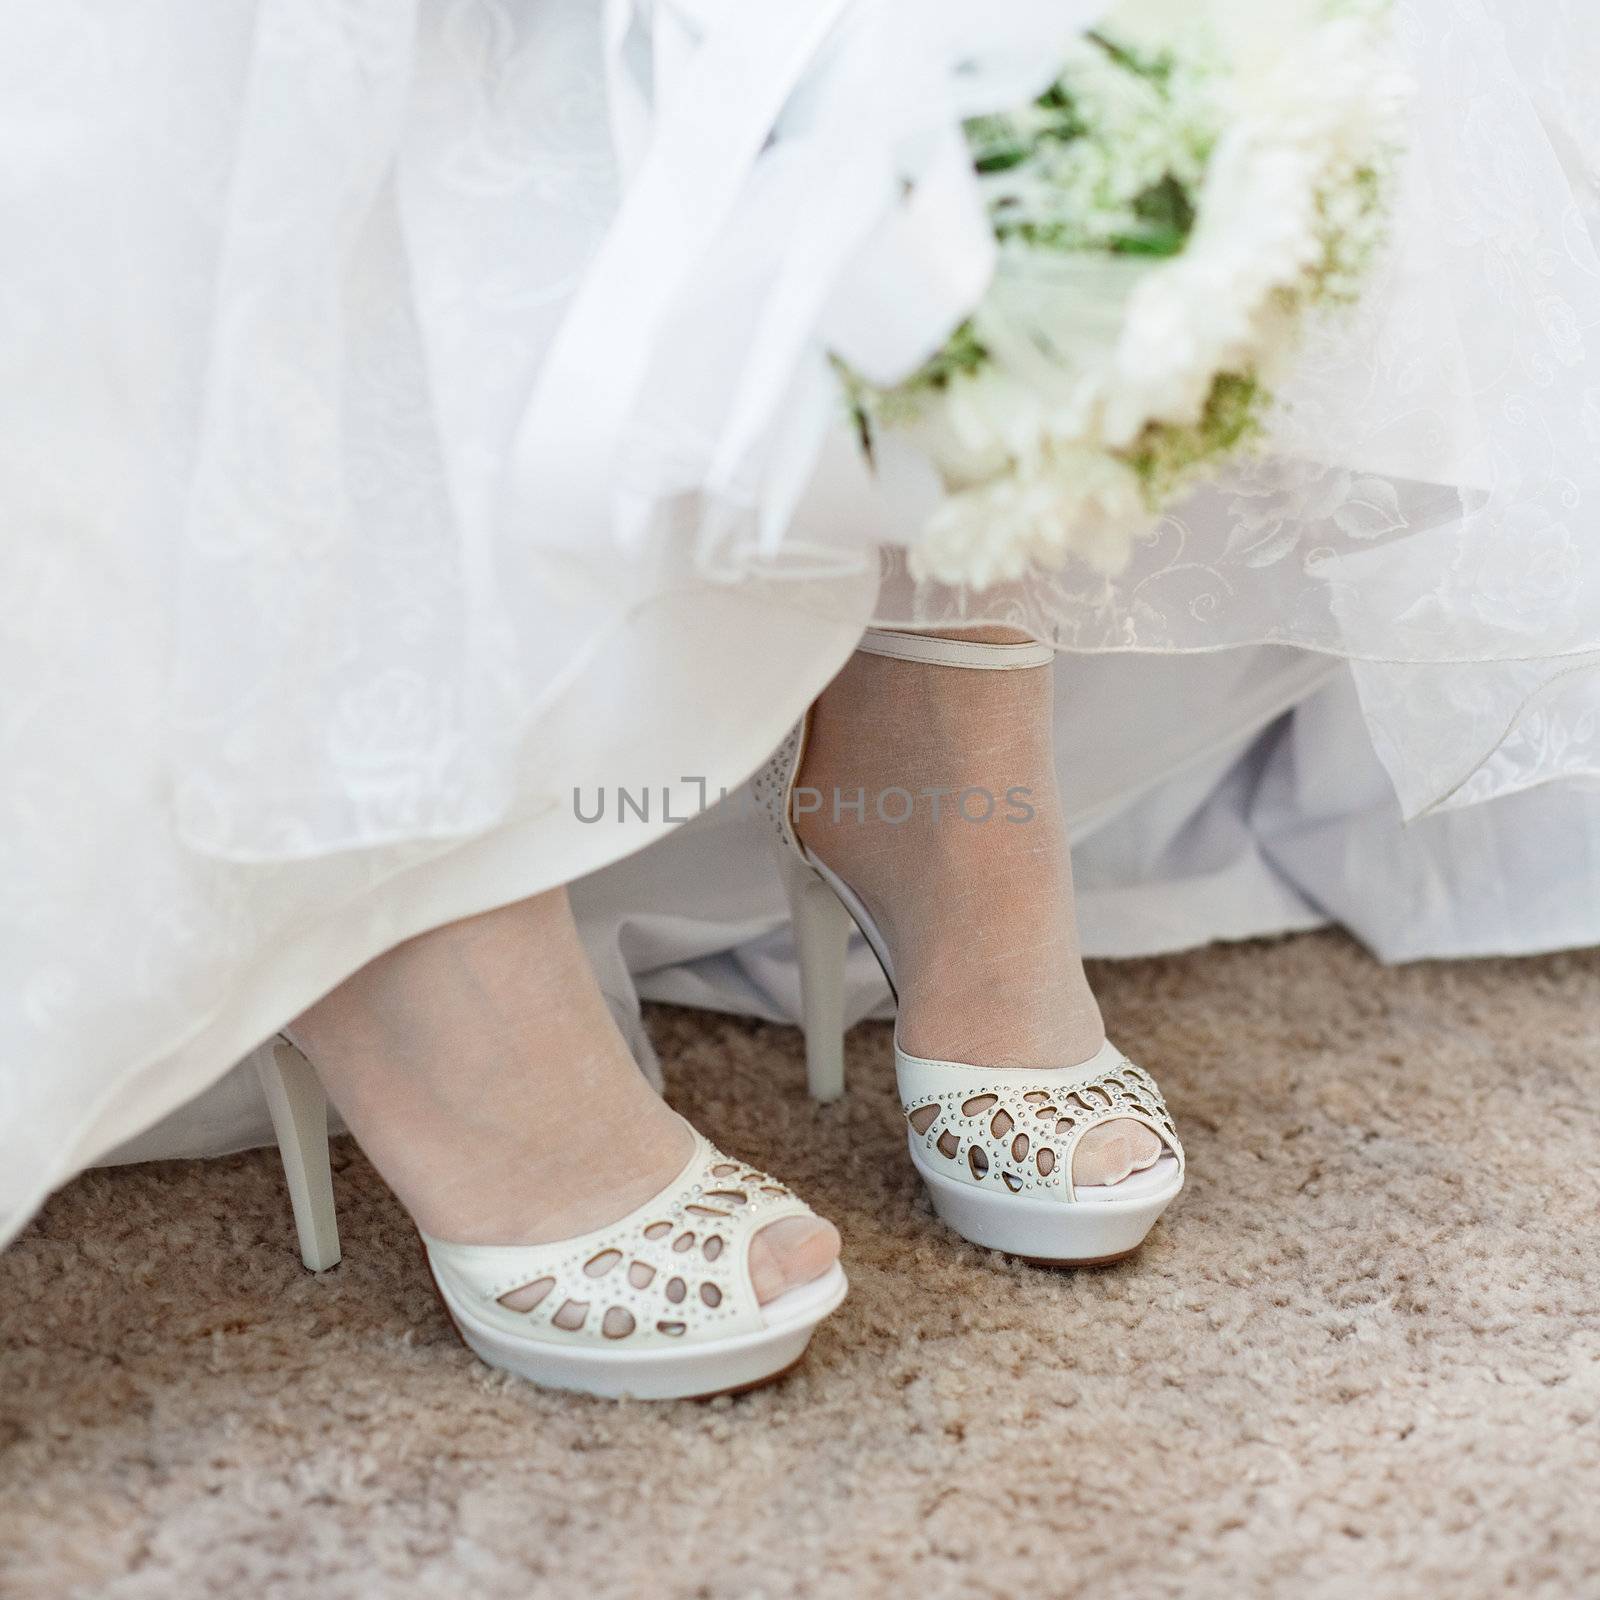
x: 284, y: 676
x: 1427, y: 502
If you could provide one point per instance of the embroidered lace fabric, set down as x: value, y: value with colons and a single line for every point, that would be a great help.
x: 1429, y: 503
x: 1430, y: 506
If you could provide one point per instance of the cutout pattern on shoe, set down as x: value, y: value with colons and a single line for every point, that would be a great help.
x: 770, y: 787
x: 1019, y: 1129
x: 675, y: 1271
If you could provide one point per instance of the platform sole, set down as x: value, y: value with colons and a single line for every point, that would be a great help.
x: 1079, y: 1233
x: 694, y: 1372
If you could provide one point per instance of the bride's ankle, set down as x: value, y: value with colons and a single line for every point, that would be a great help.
x: 1038, y: 1015
x: 503, y: 1149
x: 931, y: 790
x: 481, y: 1071
x: 968, y: 873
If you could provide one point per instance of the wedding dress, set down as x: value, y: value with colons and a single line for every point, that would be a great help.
x: 306, y: 641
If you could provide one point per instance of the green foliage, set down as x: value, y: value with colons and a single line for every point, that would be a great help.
x: 1168, y: 215
x: 1154, y: 69
x: 1167, y: 456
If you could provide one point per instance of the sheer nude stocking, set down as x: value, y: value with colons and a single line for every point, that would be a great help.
x: 975, y: 902
x: 479, y: 1068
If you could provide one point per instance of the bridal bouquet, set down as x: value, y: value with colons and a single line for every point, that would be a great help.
x: 1199, y: 180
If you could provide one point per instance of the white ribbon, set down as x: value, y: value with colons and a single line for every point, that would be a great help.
x: 807, y: 156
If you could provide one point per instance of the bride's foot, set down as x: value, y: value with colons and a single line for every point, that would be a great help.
x: 972, y: 890
x: 479, y: 1068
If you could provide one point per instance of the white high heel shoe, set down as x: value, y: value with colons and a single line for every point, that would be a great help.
x: 656, y: 1306
x: 993, y: 1145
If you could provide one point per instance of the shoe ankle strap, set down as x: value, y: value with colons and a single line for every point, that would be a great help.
x: 937, y: 652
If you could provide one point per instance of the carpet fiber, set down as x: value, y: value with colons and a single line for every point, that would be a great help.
x: 1361, y: 1356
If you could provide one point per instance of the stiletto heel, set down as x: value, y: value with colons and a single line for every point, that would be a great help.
x: 994, y: 1146
x: 822, y: 939
x: 300, y: 1120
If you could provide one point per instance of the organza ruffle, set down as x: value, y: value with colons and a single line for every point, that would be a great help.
x: 1427, y: 503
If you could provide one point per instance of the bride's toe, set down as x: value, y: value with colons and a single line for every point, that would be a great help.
x: 1113, y: 1151
x: 789, y: 1253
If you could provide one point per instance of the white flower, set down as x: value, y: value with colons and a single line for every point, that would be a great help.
x: 973, y: 430
x: 989, y: 415
x: 1072, y: 502
x: 1166, y: 221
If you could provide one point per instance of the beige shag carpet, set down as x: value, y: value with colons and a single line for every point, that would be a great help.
x: 1360, y: 1358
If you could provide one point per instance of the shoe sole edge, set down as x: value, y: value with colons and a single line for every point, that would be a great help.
x: 693, y: 1372
x: 1083, y: 1233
